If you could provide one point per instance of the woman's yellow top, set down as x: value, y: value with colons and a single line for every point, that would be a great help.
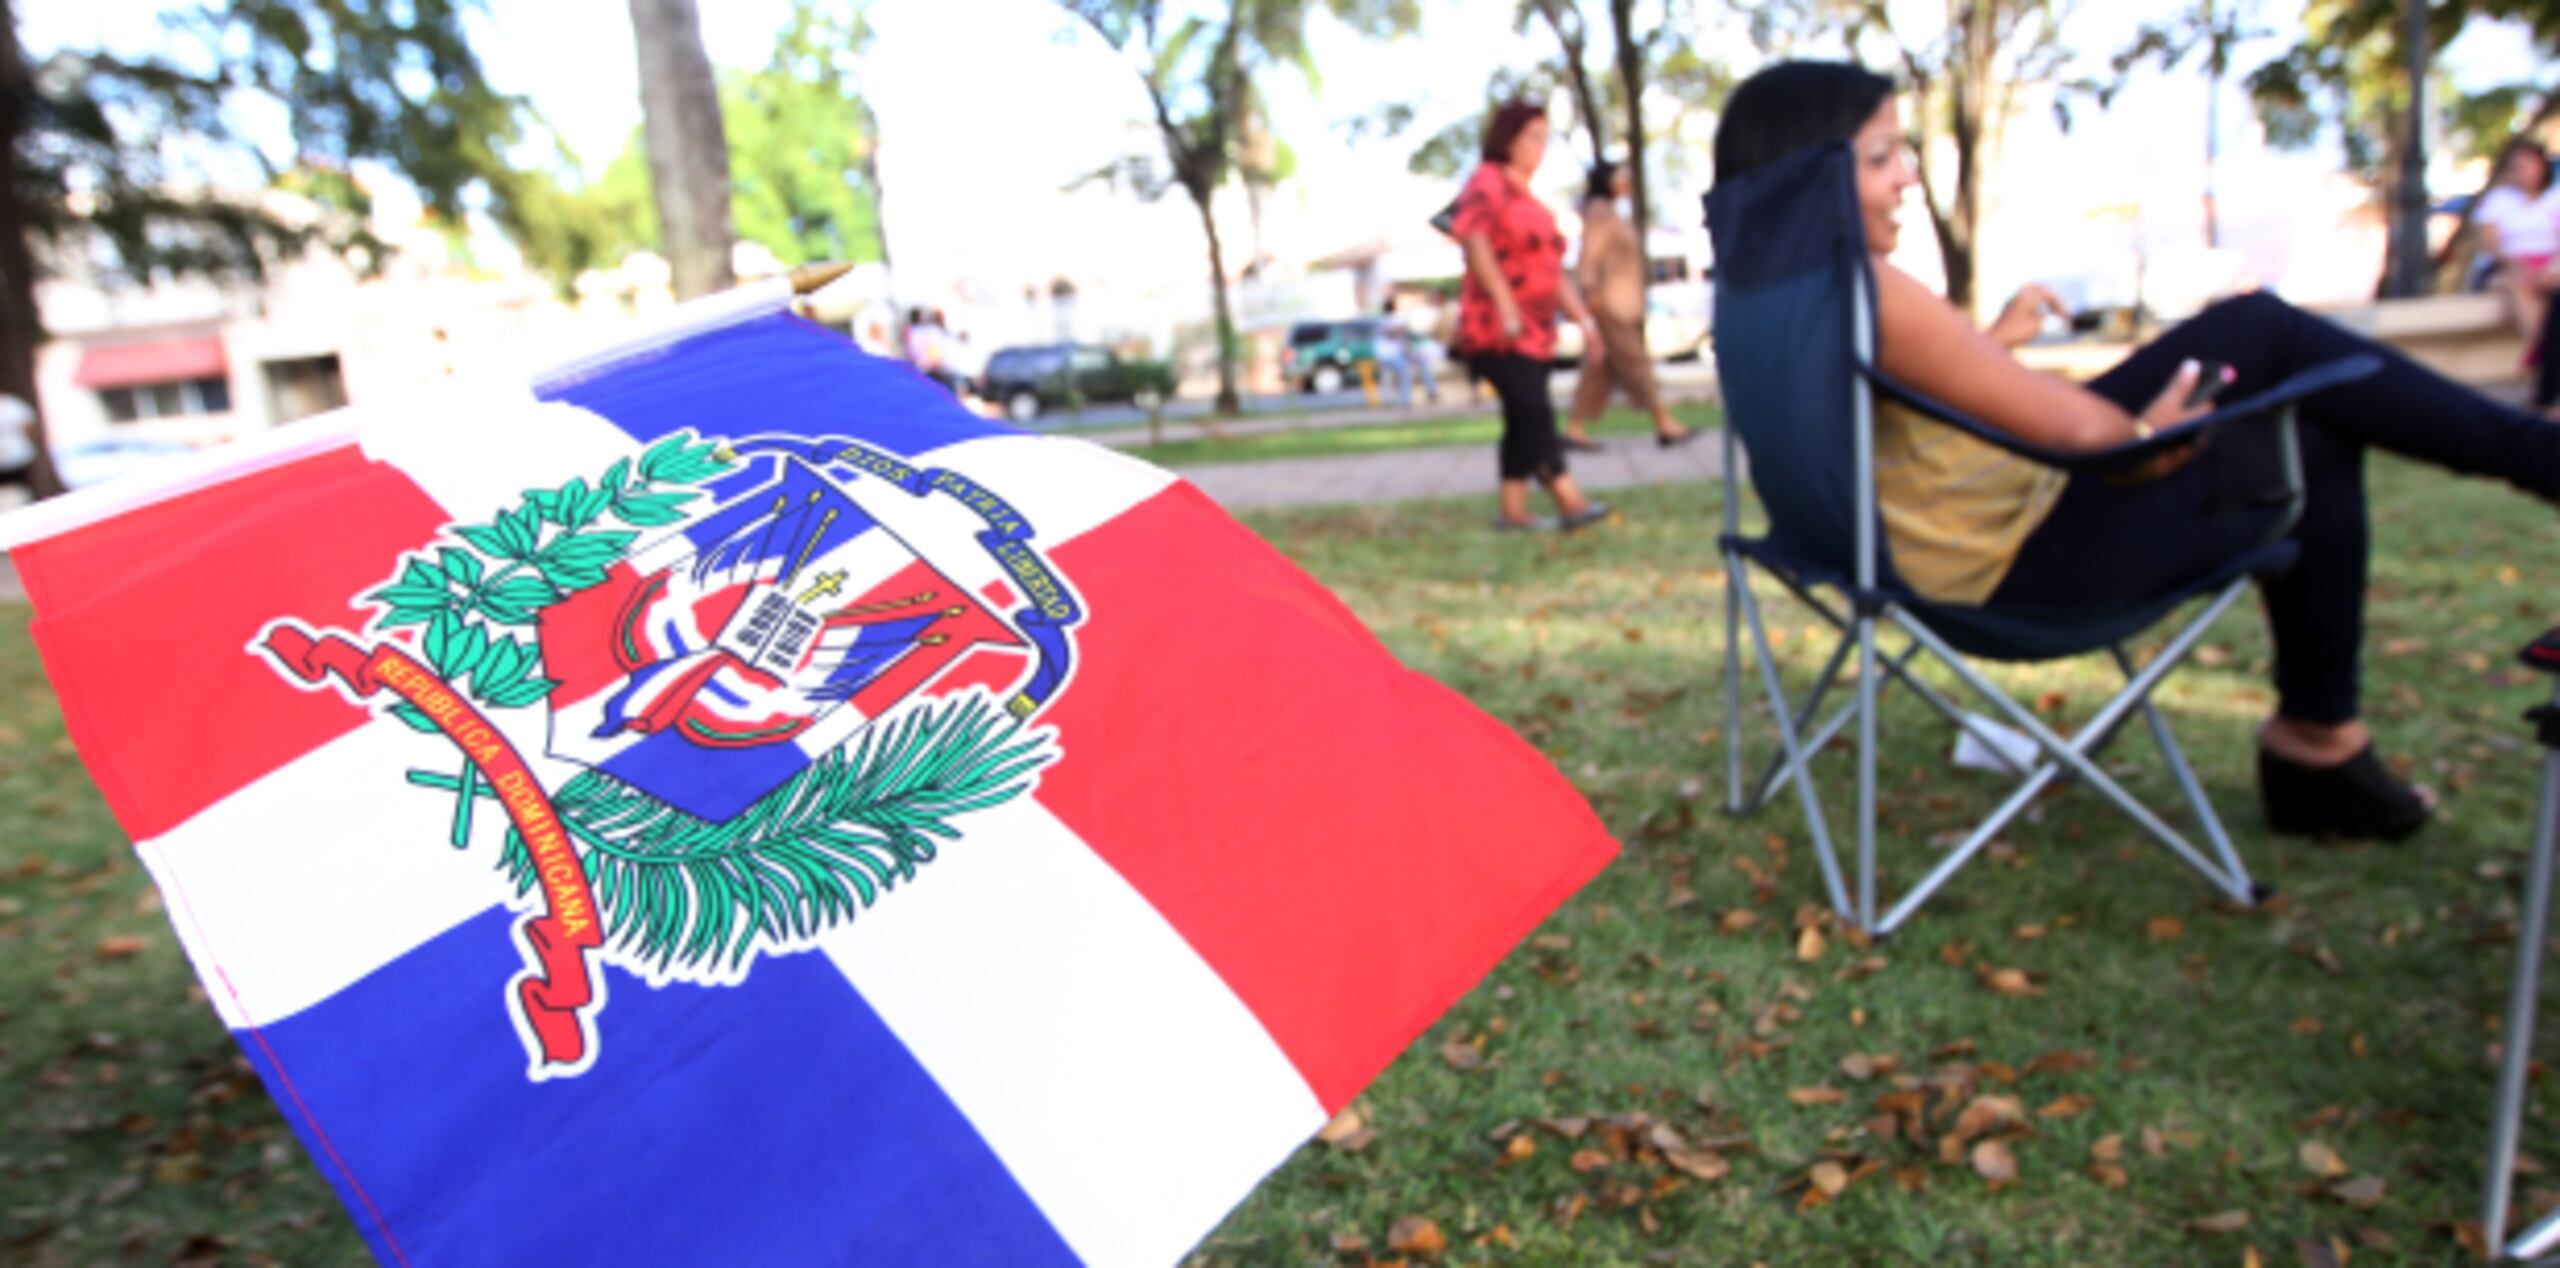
x: 1956, y: 508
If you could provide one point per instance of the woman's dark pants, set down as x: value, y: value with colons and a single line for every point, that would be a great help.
x: 2105, y: 543
x: 1531, y: 449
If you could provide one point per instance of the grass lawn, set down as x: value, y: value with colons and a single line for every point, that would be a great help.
x: 2175, y: 1061
x: 1325, y: 442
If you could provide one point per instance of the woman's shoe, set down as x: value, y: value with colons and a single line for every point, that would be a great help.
x: 1506, y: 524
x: 1668, y: 441
x: 1591, y: 513
x: 2356, y: 799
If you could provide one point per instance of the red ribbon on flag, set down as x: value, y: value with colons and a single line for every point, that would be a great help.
x: 556, y: 998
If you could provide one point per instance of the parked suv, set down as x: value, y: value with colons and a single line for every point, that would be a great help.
x: 1323, y: 356
x: 1027, y: 380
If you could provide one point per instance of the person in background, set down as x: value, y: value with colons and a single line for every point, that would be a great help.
x: 2519, y: 225
x: 1507, y: 306
x: 1421, y: 324
x: 1395, y: 353
x: 1969, y: 522
x: 927, y: 347
x: 1611, y: 271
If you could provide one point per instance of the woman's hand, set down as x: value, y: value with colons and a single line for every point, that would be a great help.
x: 2023, y: 317
x: 2170, y: 409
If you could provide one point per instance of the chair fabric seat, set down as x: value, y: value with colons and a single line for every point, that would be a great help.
x: 2018, y: 632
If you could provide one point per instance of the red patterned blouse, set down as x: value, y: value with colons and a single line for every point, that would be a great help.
x: 1529, y: 250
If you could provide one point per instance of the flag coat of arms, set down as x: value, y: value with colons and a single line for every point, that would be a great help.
x: 727, y: 804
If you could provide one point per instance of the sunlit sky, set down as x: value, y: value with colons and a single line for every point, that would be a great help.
x: 988, y: 108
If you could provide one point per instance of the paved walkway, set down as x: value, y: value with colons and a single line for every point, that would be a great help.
x: 1399, y: 475
x: 1457, y: 471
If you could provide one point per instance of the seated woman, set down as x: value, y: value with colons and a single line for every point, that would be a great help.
x: 1967, y: 522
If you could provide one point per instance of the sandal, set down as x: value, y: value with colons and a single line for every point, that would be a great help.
x: 1583, y: 444
x: 2355, y: 800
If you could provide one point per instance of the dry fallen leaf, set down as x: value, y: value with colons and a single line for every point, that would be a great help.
x: 2066, y: 1105
x: 2109, y: 1148
x: 1988, y: 1113
x: 1699, y: 1163
x: 1829, y: 1177
x: 2164, y: 928
x: 2221, y: 1222
x: 1417, y: 1235
x: 1589, y: 1160
x: 2109, y: 1175
x: 2308, y: 1025
x: 1862, y: 1066
x: 1816, y: 1095
x: 1737, y: 920
x: 1461, y: 1055
x: 1519, y: 1148
x: 2363, y: 1191
x: 2064, y: 1061
x: 1810, y: 944
x: 2320, y: 1160
x: 1993, y: 1162
x: 1344, y: 1124
x: 2014, y: 983
x: 118, y: 947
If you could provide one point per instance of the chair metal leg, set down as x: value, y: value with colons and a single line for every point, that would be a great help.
x: 1895, y: 670
x: 1867, y: 771
x: 1775, y: 774
x: 1797, y: 760
x: 2074, y: 754
x: 2507, y: 1114
x: 1736, y: 576
x: 2233, y: 869
x: 1823, y: 682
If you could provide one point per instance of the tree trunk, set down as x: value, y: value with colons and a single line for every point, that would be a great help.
x: 688, y: 153
x: 2217, y: 63
x: 2405, y: 271
x: 19, y: 328
x: 1586, y: 102
x: 1631, y: 53
x: 1229, y: 404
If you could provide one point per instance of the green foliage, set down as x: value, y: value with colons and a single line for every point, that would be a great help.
x: 678, y: 891
x: 2347, y: 72
x: 549, y: 547
x: 800, y: 144
x: 393, y: 81
x: 565, y: 225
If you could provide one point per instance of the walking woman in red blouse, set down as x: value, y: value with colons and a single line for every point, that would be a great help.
x: 1507, y: 311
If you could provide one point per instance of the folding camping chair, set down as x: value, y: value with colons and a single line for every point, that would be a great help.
x: 1795, y: 349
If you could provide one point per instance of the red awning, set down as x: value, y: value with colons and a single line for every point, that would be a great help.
x: 136, y: 364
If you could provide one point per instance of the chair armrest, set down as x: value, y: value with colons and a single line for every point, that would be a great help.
x: 2273, y: 403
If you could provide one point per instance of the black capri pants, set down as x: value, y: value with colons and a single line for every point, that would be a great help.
x: 1531, y: 449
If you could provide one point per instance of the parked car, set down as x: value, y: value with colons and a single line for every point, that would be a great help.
x: 1028, y: 380
x: 1324, y: 356
x: 1676, y: 327
x: 113, y: 456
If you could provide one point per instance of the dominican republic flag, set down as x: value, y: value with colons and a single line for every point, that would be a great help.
x: 728, y: 805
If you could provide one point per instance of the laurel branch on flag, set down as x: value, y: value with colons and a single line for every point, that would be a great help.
x: 680, y: 895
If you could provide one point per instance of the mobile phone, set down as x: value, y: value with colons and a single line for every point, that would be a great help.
x: 2211, y: 378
